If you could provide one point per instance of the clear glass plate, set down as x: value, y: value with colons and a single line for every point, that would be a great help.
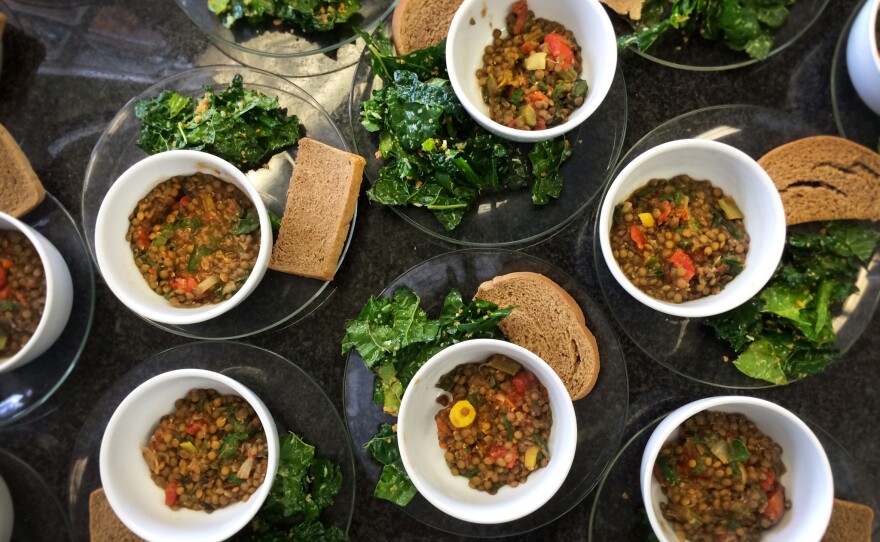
x: 600, y: 415
x: 619, y: 514
x: 687, y: 346
x: 699, y: 54
x: 29, y: 386
x: 38, y: 515
x: 853, y: 118
x: 296, y: 401
x: 287, y: 50
x: 279, y: 296
x: 509, y: 217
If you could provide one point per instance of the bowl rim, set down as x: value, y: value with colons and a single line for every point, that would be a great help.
x: 53, y: 289
x: 672, y: 421
x: 563, y: 413
x: 721, y: 304
x: 578, y: 117
x: 107, y: 262
x: 141, y: 393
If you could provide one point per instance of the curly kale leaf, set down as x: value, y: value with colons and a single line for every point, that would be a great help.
x: 240, y: 125
x: 308, y: 15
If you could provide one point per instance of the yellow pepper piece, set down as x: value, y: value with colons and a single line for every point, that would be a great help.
x: 531, y: 458
x: 647, y: 219
x: 462, y: 413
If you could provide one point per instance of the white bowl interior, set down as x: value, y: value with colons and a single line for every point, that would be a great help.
x: 466, y: 42
x: 423, y: 457
x: 133, y: 495
x: 7, y: 512
x: 863, y: 57
x: 114, y: 254
x: 740, y: 177
x: 808, y: 481
x: 59, y: 296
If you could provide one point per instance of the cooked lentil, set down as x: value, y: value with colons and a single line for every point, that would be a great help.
x: 209, y: 453
x: 195, y: 239
x: 679, y: 239
x: 530, y: 77
x: 22, y: 291
x: 721, y: 479
x: 496, y: 427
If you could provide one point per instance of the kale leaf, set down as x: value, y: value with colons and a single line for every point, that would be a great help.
x: 308, y: 15
x: 435, y: 155
x: 395, y: 337
x: 240, y: 125
x: 304, y: 486
x: 742, y: 25
x: 785, y: 332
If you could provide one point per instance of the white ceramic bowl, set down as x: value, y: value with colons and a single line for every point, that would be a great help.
x: 807, y: 481
x: 59, y: 296
x: 423, y: 458
x: 471, y: 31
x: 862, y: 56
x: 114, y: 255
x: 739, y: 176
x: 7, y: 513
x: 139, y: 502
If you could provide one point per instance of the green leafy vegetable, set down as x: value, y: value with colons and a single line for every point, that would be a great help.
x: 742, y: 25
x: 308, y: 15
x: 304, y: 486
x: 250, y: 222
x: 395, y: 337
x: 785, y: 332
x: 239, y: 125
x: 435, y: 155
x: 9, y: 306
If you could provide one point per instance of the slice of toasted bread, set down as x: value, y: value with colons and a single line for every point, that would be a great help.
x: 321, y: 200
x: 20, y: 188
x: 417, y: 24
x: 850, y: 522
x: 825, y: 178
x: 104, y: 525
x: 548, y: 322
x: 627, y: 8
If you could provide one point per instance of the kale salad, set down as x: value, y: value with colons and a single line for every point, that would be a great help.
x: 434, y: 155
x: 748, y: 26
x: 395, y: 336
x: 786, y: 332
x: 307, y: 15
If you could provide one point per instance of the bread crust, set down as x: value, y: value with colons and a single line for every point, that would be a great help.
x: 548, y: 322
x: 20, y: 188
x: 850, y: 522
x: 825, y: 178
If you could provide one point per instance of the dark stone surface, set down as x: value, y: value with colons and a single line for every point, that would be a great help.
x: 66, y: 73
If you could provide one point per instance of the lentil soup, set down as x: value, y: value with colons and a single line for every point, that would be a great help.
x: 496, y: 426
x: 721, y: 479
x: 195, y: 239
x: 209, y: 452
x: 22, y: 291
x: 530, y: 77
x: 679, y: 239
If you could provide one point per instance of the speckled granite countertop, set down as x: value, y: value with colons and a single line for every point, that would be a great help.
x: 65, y: 75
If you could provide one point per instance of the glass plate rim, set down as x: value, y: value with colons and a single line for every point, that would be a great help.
x: 32, y: 472
x: 777, y: 49
x: 86, y: 332
x: 621, y: 426
x: 354, y: 115
x: 117, y: 118
x: 327, y: 49
x: 71, y: 478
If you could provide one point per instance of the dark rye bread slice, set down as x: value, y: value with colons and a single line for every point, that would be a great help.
x: 104, y: 525
x: 20, y: 188
x: 850, y: 522
x: 548, y: 322
x: 417, y: 24
x: 321, y: 200
x: 825, y: 178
